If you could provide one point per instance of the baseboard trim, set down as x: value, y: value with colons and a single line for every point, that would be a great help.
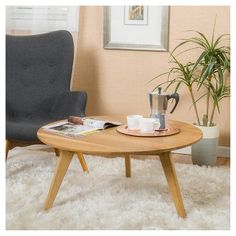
x: 222, y: 151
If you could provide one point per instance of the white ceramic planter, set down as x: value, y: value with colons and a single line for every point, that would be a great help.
x: 204, y: 152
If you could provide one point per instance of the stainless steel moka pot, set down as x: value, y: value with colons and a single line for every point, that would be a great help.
x: 158, y: 104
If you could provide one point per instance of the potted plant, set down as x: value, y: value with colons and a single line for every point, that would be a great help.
x: 206, y: 73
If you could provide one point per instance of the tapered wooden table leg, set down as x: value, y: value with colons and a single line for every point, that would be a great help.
x: 82, y: 161
x: 63, y: 163
x: 57, y: 152
x: 127, y: 166
x: 8, y: 147
x: 171, y: 177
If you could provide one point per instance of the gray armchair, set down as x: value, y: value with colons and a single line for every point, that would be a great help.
x: 38, y: 74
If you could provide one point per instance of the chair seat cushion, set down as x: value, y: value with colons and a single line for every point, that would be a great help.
x: 25, y: 130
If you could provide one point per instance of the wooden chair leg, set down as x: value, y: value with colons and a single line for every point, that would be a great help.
x: 172, y: 180
x: 63, y: 163
x: 57, y: 152
x: 127, y: 166
x: 8, y: 147
x: 82, y: 161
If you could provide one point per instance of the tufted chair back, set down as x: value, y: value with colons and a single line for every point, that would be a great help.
x: 37, y: 69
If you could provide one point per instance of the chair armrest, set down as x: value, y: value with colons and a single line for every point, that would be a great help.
x: 69, y: 104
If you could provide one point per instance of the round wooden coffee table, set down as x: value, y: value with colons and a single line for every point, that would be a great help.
x: 109, y: 142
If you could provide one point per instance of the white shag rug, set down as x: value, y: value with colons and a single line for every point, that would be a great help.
x: 106, y: 199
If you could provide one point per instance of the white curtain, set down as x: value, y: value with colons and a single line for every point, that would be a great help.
x: 41, y: 19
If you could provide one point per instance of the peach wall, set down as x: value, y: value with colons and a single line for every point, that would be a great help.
x: 115, y: 80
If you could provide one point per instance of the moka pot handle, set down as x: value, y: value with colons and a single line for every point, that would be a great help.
x: 175, y: 96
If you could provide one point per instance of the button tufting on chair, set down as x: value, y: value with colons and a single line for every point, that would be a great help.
x: 52, y: 80
x: 52, y: 63
x: 25, y: 84
x: 25, y: 66
x: 28, y: 115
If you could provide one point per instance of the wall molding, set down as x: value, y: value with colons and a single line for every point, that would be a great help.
x: 221, y: 150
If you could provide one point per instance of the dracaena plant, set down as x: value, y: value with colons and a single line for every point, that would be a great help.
x: 207, y: 72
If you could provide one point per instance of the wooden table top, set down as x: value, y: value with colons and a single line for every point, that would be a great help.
x: 110, y: 142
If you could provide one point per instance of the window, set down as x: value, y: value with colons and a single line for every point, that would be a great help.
x: 41, y: 19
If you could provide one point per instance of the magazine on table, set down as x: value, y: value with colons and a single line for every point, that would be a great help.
x: 76, y: 126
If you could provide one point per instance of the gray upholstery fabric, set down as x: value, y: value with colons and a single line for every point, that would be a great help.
x: 38, y: 72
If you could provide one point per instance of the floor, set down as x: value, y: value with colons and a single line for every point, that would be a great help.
x: 99, y: 196
x: 221, y: 161
x: 180, y: 158
x: 186, y: 159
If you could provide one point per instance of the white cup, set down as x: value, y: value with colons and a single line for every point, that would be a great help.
x: 133, y: 122
x: 147, y: 125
